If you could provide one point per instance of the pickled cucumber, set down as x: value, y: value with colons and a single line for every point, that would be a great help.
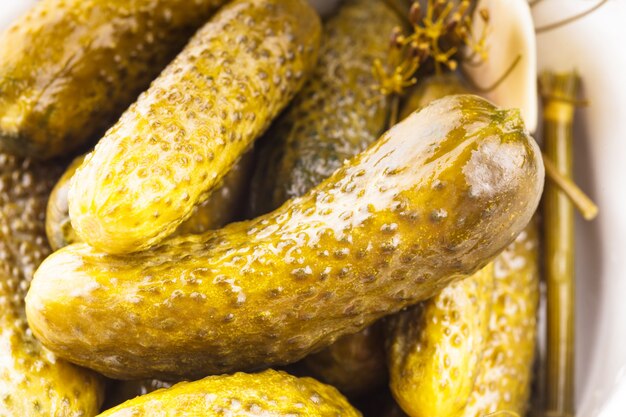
x: 269, y: 393
x: 33, y: 382
x: 433, y: 200
x: 435, y: 348
x: 337, y: 114
x: 503, y: 382
x: 69, y: 68
x: 222, y: 207
x: 175, y: 144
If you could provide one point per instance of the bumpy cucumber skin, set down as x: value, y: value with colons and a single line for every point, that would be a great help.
x: 433, y: 200
x: 175, y: 144
x: 270, y: 393
x: 503, y: 382
x: 435, y: 348
x: 222, y: 206
x: 354, y: 364
x: 337, y: 114
x: 225, y: 204
x: 334, y: 117
x: 69, y: 68
x: 33, y: 382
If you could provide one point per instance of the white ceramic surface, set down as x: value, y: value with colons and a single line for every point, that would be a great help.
x: 593, y: 46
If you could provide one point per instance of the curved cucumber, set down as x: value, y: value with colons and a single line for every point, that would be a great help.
x: 433, y: 200
x: 269, y: 393
x: 172, y: 148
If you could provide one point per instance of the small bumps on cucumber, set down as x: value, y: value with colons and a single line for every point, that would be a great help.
x: 433, y: 200
x: 222, y: 206
x: 225, y: 204
x: 503, y: 382
x: 435, y: 348
x: 175, y: 144
x: 270, y: 393
x: 33, y: 382
x: 69, y: 68
x: 336, y: 115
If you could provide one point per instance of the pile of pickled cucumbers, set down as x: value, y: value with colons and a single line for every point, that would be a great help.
x: 240, y: 208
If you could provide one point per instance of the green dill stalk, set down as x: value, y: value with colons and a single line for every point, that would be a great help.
x: 560, y: 92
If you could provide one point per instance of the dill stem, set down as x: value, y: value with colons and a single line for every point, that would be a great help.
x: 559, y: 243
x: 570, y: 19
x: 584, y: 204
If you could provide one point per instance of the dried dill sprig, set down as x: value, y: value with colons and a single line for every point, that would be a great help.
x: 440, y: 36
